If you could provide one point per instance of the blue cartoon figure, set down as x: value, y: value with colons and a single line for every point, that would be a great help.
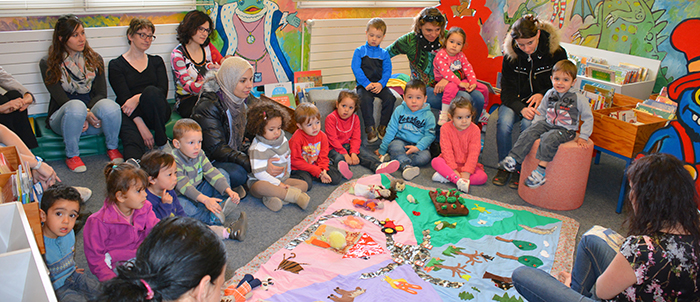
x: 248, y: 30
x: 681, y: 138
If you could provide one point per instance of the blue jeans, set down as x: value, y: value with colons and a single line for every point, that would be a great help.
x: 475, y: 97
x: 593, y: 255
x: 397, y: 151
x: 79, y: 287
x: 237, y: 174
x: 198, y: 210
x: 367, y: 158
x: 68, y: 121
x: 504, y: 129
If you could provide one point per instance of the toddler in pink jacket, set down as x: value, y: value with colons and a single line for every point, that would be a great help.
x: 112, y: 235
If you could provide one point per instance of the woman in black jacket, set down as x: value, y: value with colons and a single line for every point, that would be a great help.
x: 221, y: 112
x: 531, y: 50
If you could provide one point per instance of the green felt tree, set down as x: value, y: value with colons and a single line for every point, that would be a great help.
x: 466, y: 296
x: 506, y: 298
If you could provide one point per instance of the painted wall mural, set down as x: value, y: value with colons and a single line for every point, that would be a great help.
x: 275, y: 28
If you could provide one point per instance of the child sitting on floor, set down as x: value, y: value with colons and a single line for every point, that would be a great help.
x: 343, y: 131
x: 200, y: 199
x: 112, y: 235
x: 162, y: 178
x: 60, y: 206
x: 267, y: 121
x: 460, y: 143
x: 411, y: 131
x: 309, y: 148
x: 555, y: 123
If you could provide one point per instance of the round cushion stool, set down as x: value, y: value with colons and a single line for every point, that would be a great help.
x: 566, y: 175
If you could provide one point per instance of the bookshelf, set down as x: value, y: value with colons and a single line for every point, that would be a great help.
x: 640, y: 90
x: 23, y: 274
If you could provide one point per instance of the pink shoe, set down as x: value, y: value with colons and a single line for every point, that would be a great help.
x: 345, y: 169
x: 388, y: 167
x: 115, y: 156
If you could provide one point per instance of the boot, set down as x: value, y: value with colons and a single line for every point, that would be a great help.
x: 294, y: 195
x: 272, y: 203
x: 238, y: 228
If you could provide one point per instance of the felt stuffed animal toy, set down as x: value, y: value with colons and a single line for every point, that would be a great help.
x: 398, y: 185
x: 239, y: 292
x: 346, y: 295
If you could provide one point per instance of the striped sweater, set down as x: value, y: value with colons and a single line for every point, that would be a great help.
x: 191, y: 171
x: 263, y: 149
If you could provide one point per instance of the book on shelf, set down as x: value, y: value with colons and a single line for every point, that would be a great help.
x: 599, y: 73
x: 655, y: 111
x: 309, y: 76
x: 663, y: 106
x: 599, y: 98
x: 278, y: 88
x: 286, y: 100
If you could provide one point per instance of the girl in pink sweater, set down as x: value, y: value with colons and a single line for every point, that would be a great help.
x: 343, y: 131
x: 451, y: 64
x: 460, y: 141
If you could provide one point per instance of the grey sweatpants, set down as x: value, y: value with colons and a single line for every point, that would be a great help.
x: 550, y: 138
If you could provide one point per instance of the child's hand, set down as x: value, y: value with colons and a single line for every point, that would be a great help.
x: 272, y: 169
x: 324, y: 177
x: 80, y: 270
x: 464, y: 85
x: 234, y: 196
x: 376, y: 152
x: 465, y: 175
x: 283, y: 185
x: 583, y: 143
x: 348, y: 159
x: 471, y: 87
x: 212, y: 204
x: 411, y: 149
x: 166, y: 198
x: 355, y: 159
x: 374, y: 87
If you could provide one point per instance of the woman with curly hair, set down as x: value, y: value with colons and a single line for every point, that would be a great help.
x: 192, y: 59
x: 658, y: 261
x: 74, y: 75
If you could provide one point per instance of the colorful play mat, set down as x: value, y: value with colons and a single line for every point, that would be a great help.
x: 351, y: 249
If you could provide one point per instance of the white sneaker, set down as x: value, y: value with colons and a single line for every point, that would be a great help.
x: 84, y: 192
x: 437, y: 177
x: 384, y: 158
x: 463, y: 185
x: 410, y: 172
x: 444, y: 118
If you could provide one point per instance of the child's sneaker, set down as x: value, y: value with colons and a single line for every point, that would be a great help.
x: 463, y: 185
x: 371, y: 134
x: 381, y: 131
x: 238, y: 228
x: 272, y: 203
x: 535, y: 179
x: 226, y: 208
x: 344, y: 169
x: 115, y: 156
x: 410, y: 172
x: 240, y: 191
x: 508, y: 163
x: 385, y: 158
x: 388, y: 167
x: 437, y: 177
x: 76, y: 164
x: 85, y: 193
x: 444, y: 118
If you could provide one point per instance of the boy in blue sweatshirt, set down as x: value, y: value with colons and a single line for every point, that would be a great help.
x: 410, y: 131
x: 371, y: 65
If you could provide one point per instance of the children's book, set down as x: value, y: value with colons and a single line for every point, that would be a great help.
x: 309, y: 76
x: 278, y: 88
x: 285, y: 100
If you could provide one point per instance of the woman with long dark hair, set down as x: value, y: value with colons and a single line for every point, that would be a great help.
x: 658, y: 261
x: 192, y: 59
x: 74, y: 75
x: 180, y: 260
x: 141, y: 84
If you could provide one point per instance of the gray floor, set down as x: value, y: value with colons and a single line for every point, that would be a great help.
x: 265, y: 227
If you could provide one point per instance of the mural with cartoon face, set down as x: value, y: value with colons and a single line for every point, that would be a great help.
x: 681, y: 137
x: 248, y: 29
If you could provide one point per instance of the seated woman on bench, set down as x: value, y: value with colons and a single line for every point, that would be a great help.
x: 74, y: 75
x: 141, y: 84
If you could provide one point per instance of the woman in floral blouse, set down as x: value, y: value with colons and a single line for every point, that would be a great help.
x: 658, y: 261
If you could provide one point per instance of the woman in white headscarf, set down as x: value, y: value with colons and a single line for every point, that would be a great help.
x: 221, y: 112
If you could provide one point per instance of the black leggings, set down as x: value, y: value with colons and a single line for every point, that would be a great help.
x: 18, y: 121
x: 155, y: 111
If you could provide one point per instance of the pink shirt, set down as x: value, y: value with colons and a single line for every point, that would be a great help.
x: 460, y: 149
x: 340, y: 132
x: 445, y: 67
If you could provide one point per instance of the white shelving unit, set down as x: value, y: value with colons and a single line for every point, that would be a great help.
x: 23, y: 273
x: 640, y: 90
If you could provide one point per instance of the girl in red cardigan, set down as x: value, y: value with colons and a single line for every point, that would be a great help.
x: 460, y: 141
x: 344, y: 137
